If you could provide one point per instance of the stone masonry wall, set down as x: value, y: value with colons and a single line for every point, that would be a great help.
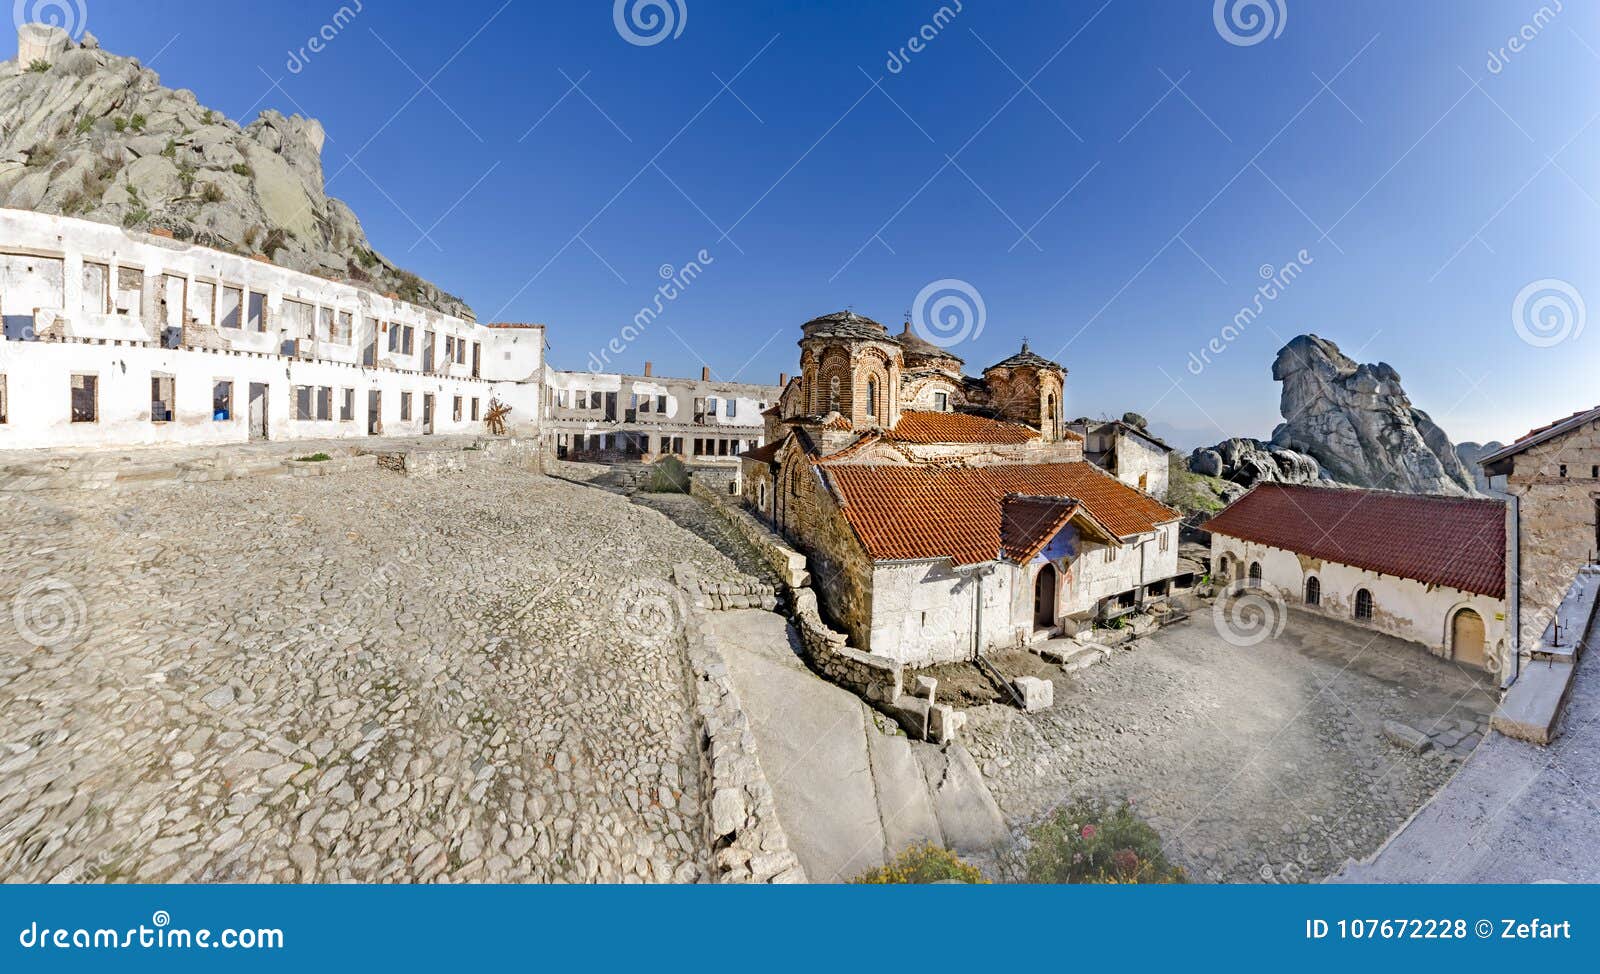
x: 742, y: 829
x: 1558, y: 521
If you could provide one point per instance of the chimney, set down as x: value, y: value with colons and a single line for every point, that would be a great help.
x: 705, y: 373
x: 783, y: 380
x: 647, y: 370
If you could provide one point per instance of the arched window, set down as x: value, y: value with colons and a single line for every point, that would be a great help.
x: 872, y: 397
x: 1255, y: 574
x: 1313, y: 591
x: 833, y: 394
x: 1364, y: 605
x: 794, y: 480
x: 1050, y: 415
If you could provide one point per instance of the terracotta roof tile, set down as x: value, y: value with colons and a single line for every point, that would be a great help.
x: 914, y: 512
x: 1454, y: 541
x: 917, y: 426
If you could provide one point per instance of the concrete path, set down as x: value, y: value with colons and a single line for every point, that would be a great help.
x: 851, y: 790
x: 1516, y: 812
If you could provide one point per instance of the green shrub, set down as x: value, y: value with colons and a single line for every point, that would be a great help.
x: 212, y: 193
x: 314, y: 458
x: 39, y: 66
x: 240, y: 169
x: 84, y: 125
x: 922, y: 864
x: 120, y: 124
x: 137, y: 123
x: 1095, y: 842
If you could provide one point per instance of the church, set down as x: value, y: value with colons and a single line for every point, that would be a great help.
x: 945, y: 516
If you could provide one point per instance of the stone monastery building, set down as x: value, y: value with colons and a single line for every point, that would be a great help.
x: 945, y: 515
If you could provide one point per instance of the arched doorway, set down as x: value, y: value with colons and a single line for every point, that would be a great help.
x: 1313, y: 591
x: 1255, y: 574
x: 1044, y: 598
x: 1467, y: 640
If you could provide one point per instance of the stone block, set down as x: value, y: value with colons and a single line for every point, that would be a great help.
x: 727, y: 811
x: 1036, y: 694
x: 1407, y: 737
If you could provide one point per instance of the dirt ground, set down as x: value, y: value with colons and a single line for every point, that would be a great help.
x: 1266, y: 763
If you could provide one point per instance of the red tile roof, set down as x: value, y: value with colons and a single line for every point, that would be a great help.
x: 916, y: 426
x: 1453, y: 541
x: 1548, y: 431
x: 916, y: 512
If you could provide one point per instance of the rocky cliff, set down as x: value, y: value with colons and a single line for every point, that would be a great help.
x: 1248, y: 462
x: 1357, y: 422
x: 1471, y: 453
x: 89, y: 134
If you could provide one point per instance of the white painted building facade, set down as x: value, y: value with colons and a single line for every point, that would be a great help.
x: 114, y: 338
x: 927, y: 611
x: 1401, y: 607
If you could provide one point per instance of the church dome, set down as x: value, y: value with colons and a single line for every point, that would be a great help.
x: 920, y: 351
x: 845, y: 324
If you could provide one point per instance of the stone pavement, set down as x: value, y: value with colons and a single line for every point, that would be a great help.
x: 364, y: 677
x: 1515, y: 813
x: 851, y: 789
x: 1263, y: 763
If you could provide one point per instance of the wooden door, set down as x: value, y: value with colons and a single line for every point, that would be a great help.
x: 1467, y: 639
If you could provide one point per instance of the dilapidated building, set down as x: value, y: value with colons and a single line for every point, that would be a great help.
x: 119, y: 338
x: 1131, y: 453
x: 944, y: 515
x: 1425, y: 568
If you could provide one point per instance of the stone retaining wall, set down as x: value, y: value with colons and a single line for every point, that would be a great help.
x: 877, y: 679
x: 787, y: 562
x: 747, y: 842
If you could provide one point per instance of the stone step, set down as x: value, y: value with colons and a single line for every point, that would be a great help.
x: 1084, y: 657
x: 1532, y: 706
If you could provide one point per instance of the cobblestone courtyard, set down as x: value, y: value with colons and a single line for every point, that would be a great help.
x: 361, y: 677
x: 1259, y: 764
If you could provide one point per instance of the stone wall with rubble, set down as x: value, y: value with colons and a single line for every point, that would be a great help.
x: 747, y: 841
x: 1558, y: 515
x: 789, y: 564
x: 841, y: 570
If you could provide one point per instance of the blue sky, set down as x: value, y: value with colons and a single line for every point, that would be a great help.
x: 1157, y: 169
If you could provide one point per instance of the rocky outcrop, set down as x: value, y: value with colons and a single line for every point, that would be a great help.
x: 1357, y: 422
x: 1471, y: 453
x: 86, y: 133
x: 1248, y: 462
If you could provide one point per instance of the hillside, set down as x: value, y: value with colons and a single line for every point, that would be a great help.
x: 89, y: 134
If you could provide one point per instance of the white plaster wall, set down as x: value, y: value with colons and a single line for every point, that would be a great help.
x: 922, y: 612
x: 1090, y: 577
x: 38, y: 376
x: 1402, y: 607
x: 41, y: 271
x: 1137, y: 459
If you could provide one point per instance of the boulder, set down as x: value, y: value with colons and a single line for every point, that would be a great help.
x: 1248, y: 462
x: 1471, y: 453
x: 1358, y: 423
